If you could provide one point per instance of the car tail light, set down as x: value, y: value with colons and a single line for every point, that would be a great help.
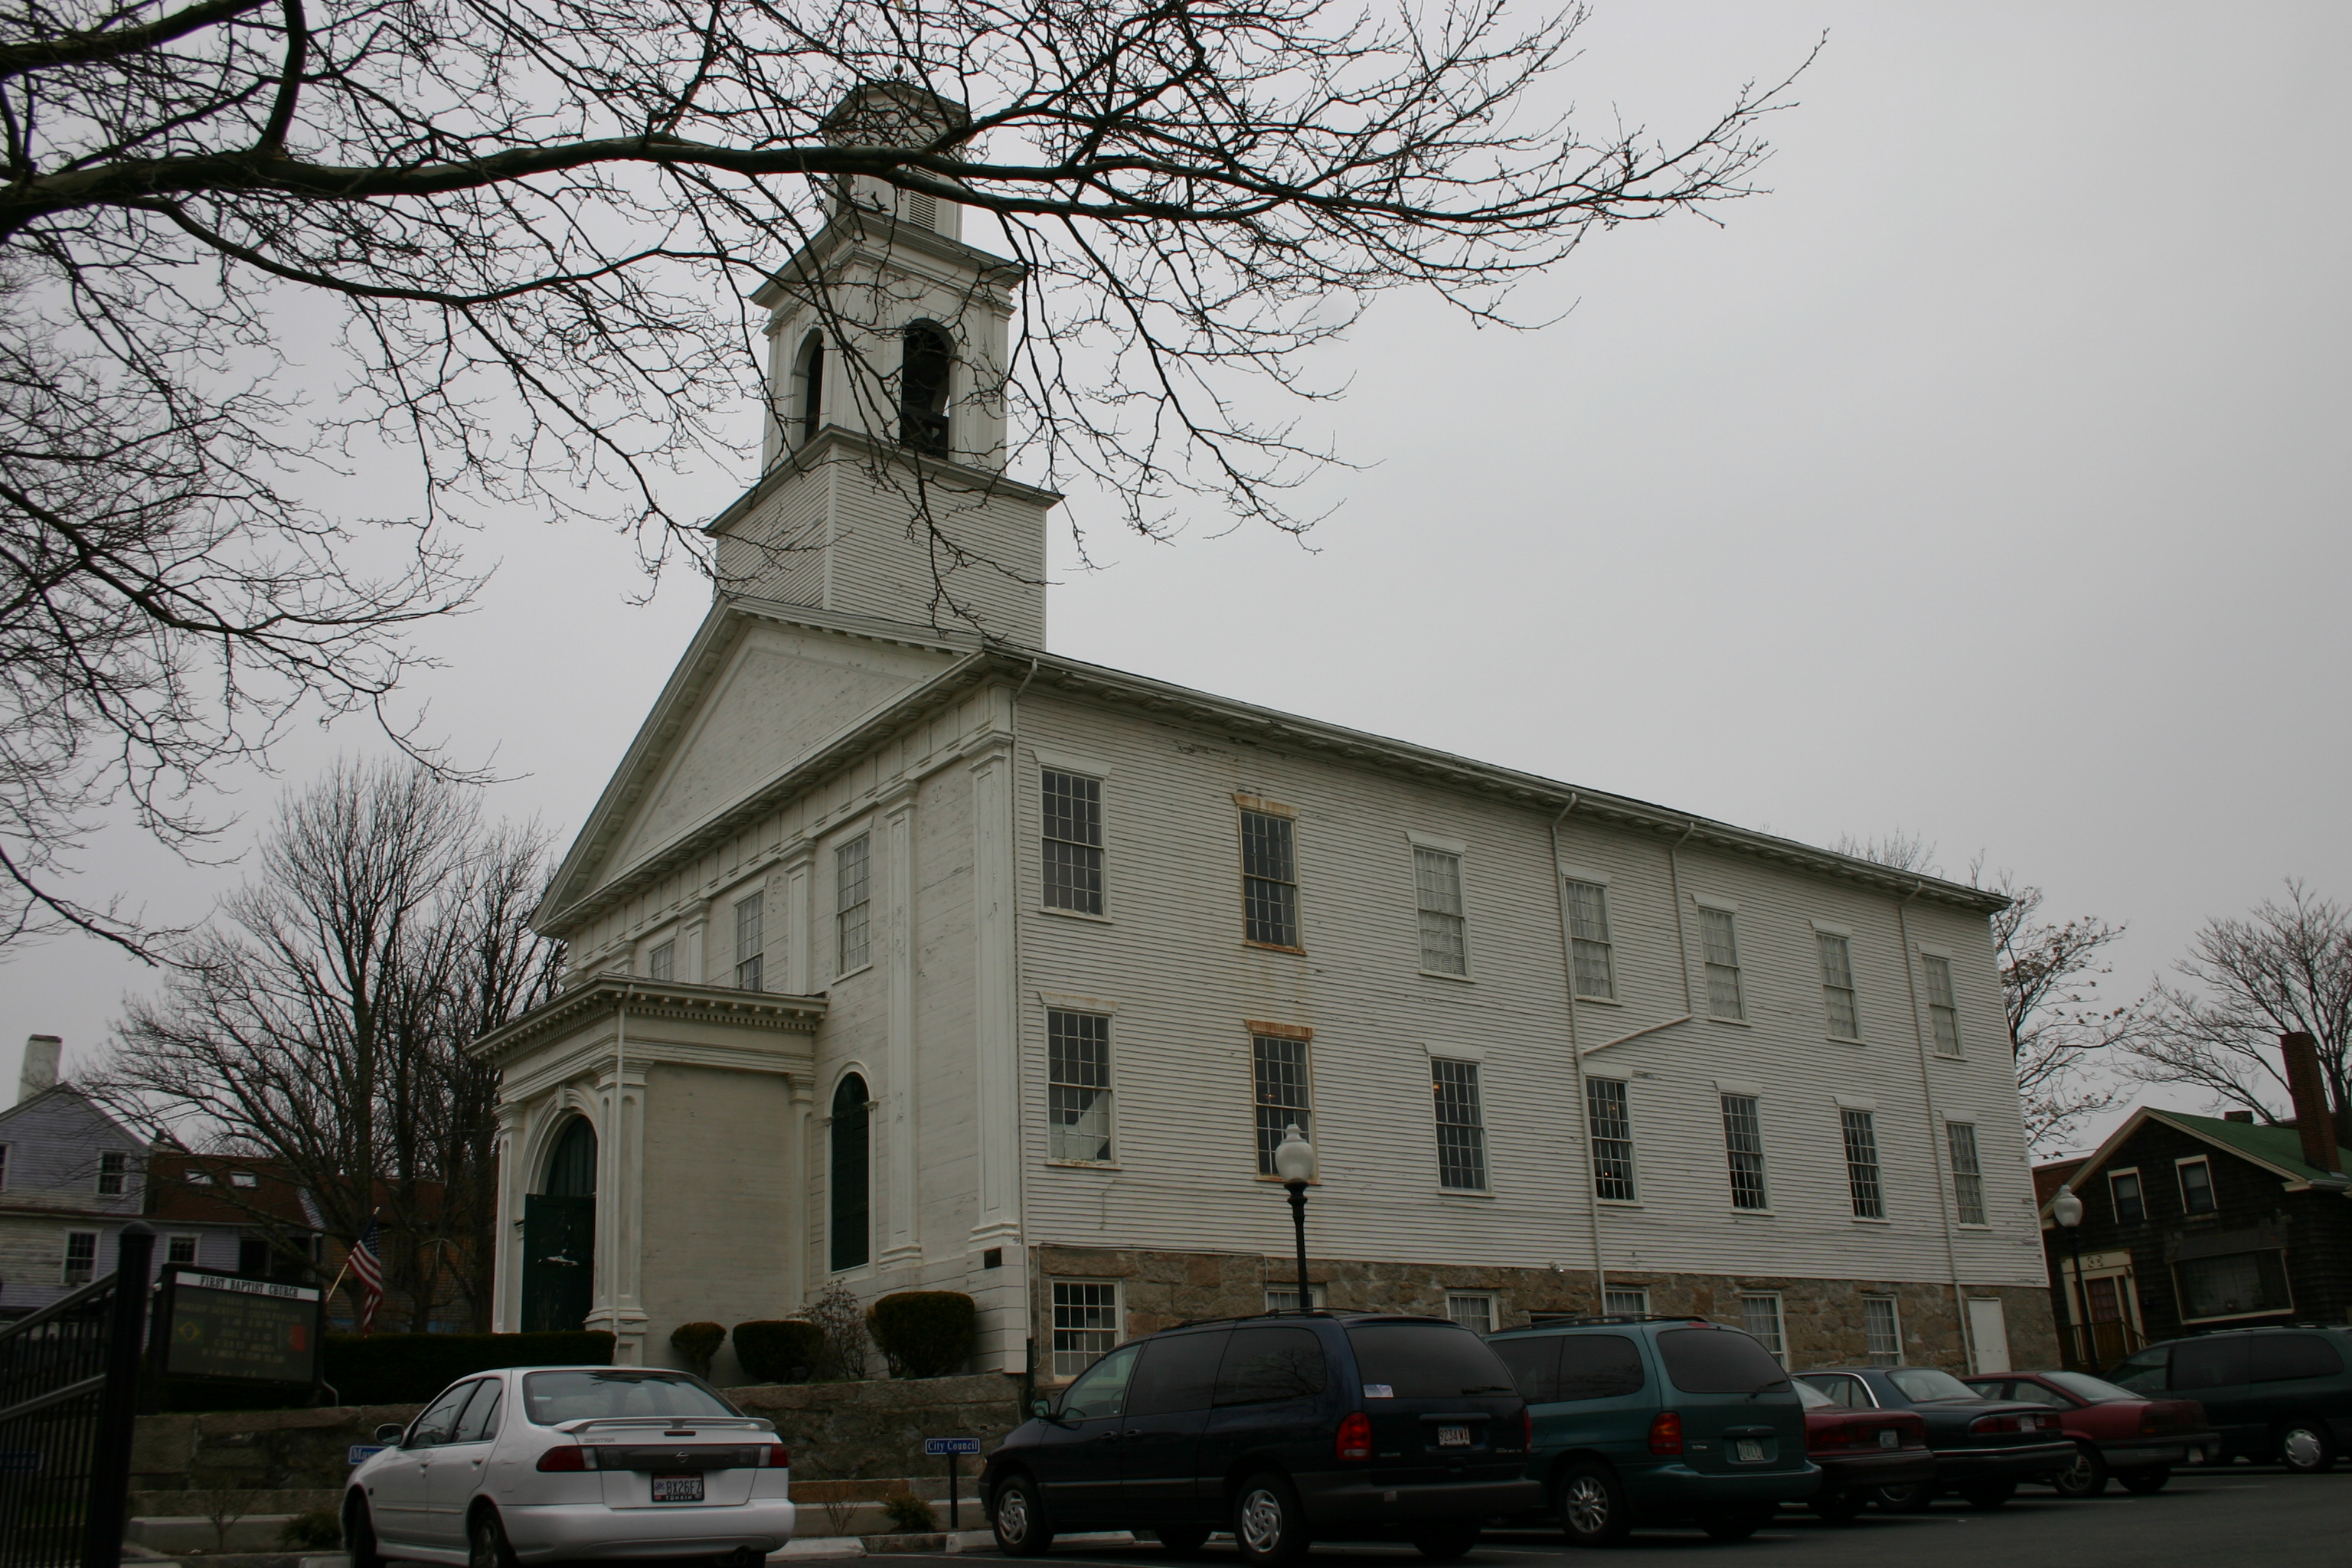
x: 1666, y: 1433
x: 779, y: 1457
x: 2150, y: 1422
x: 1354, y: 1439
x: 566, y: 1457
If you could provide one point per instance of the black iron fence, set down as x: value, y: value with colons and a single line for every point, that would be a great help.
x: 68, y: 1392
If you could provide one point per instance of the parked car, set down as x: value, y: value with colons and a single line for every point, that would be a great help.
x: 1983, y: 1447
x: 2279, y: 1394
x: 2135, y: 1439
x: 559, y: 1464
x: 1859, y: 1451
x: 1653, y: 1420
x: 1282, y: 1428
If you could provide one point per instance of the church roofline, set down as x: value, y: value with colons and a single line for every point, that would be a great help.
x: 963, y: 478
x: 759, y: 1009
x: 1163, y: 699
x: 855, y: 227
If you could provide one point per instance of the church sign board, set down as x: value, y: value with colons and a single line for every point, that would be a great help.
x: 217, y: 1326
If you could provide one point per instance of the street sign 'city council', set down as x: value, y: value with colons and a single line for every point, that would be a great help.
x: 214, y: 1325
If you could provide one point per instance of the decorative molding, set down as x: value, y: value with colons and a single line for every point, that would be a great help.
x: 1569, y: 873
x: 1285, y: 1031
x: 1738, y: 1086
x: 1264, y: 806
x: 651, y: 998
x: 1071, y: 1002
x: 1455, y: 1053
x: 1856, y: 1102
x: 1432, y: 841
x: 1070, y: 763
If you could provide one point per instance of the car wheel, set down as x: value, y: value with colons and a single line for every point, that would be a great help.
x: 359, y: 1534
x: 2086, y: 1476
x: 1917, y: 1497
x: 2145, y: 1483
x: 1183, y: 1539
x: 2304, y: 1446
x: 1734, y: 1523
x: 1268, y: 1524
x: 1840, y: 1507
x: 486, y: 1542
x: 1444, y: 1539
x: 1019, y: 1518
x: 1987, y: 1494
x: 1591, y: 1504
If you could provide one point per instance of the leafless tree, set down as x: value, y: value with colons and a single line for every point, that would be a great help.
x: 2286, y: 966
x: 523, y: 233
x: 320, y: 1021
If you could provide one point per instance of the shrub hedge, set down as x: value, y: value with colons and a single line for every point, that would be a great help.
x: 697, y: 1342
x: 782, y: 1349
x: 925, y: 1334
x: 402, y: 1369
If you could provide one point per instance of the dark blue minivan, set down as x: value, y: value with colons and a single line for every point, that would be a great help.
x: 1283, y: 1428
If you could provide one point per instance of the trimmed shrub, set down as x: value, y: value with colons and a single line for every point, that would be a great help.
x: 782, y: 1349
x: 406, y: 1369
x: 697, y: 1342
x: 925, y: 1334
x: 909, y: 1515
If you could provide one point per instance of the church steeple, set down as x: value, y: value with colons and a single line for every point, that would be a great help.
x: 883, y: 492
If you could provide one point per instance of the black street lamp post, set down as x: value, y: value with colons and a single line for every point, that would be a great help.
x: 2067, y: 1210
x: 1293, y: 1162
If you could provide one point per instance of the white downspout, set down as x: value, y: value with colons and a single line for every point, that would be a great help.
x: 1935, y: 1146
x: 1576, y: 1056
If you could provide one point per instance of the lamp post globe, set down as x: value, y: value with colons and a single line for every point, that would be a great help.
x: 2067, y: 1210
x: 1293, y: 1162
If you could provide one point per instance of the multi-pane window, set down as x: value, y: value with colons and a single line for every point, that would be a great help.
x: 1085, y: 1323
x: 2122, y: 1190
x: 113, y: 1171
x: 1611, y: 1122
x: 1461, y: 1131
x: 1269, y: 880
x: 1968, y: 1172
x: 1943, y: 1012
x: 1723, y: 996
x: 1882, y: 1330
x: 1074, y: 843
x: 4, y: 1166
x: 1760, y: 1316
x: 850, y: 902
x: 1837, y: 986
x: 180, y: 1249
x: 1475, y: 1313
x: 750, y: 941
x: 1077, y: 1086
x: 81, y: 1257
x: 1437, y: 889
x: 2195, y: 1186
x: 661, y: 963
x: 1588, y: 932
x: 1862, y: 1163
x: 1626, y: 1301
x: 1285, y: 1298
x: 1278, y: 1069
x: 1743, y: 1144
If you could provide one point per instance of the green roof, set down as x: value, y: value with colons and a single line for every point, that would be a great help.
x: 2279, y: 1146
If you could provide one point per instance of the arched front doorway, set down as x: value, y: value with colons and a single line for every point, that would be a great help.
x: 559, y: 1234
x: 851, y: 1175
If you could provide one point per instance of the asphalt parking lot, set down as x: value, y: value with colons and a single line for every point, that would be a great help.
x: 2242, y: 1514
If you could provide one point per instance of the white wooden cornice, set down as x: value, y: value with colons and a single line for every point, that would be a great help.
x: 961, y: 481
x: 642, y: 998
x: 878, y: 238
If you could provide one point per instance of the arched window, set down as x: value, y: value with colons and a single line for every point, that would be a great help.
x: 811, y: 387
x: 923, y: 388
x: 852, y: 1174
x: 571, y: 1163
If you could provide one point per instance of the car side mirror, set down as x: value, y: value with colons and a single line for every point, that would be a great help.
x: 391, y: 1431
x: 1043, y: 1409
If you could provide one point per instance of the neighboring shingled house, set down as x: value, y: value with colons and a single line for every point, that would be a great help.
x: 70, y: 1177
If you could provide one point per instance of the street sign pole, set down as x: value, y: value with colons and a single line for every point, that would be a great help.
x: 954, y: 1449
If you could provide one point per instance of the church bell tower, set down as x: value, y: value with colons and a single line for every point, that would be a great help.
x: 883, y: 491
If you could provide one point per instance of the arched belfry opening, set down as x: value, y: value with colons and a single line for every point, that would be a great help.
x: 927, y: 360
x: 808, y: 387
x: 559, y: 1234
x: 849, y: 1229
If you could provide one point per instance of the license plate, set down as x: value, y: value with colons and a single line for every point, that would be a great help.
x: 677, y: 1488
x: 1453, y: 1437
x: 1888, y: 1437
x: 1747, y: 1451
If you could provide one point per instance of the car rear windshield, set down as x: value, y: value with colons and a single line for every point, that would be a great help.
x: 1719, y: 1360
x: 1812, y: 1398
x: 556, y: 1396
x: 1926, y: 1382
x: 1426, y: 1361
x: 2086, y: 1386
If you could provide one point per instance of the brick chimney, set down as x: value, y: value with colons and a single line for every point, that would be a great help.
x: 39, y: 1074
x: 2308, y: 1087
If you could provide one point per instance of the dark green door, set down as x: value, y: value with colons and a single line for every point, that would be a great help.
x: 559, y: 1257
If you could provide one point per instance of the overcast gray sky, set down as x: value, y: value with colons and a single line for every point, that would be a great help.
x: 1985, y: 479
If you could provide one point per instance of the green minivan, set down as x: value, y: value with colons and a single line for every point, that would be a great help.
x: 1653, y: 1420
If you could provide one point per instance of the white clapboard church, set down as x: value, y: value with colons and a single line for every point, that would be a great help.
x: 912, y: 958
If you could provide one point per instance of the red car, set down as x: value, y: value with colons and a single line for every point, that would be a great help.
x: 2115, y: 1431
x: 1860, y: 1449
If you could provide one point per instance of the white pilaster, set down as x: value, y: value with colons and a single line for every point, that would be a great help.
x: 621, y: 1203
x: 799, y: 976
x: 996, y: 1031
x: 902, y: 1247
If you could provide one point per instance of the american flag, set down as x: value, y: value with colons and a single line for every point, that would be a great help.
x: 368, y: 1269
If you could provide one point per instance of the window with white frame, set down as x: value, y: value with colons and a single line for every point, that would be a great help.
x: 1283, y: 1090
x: 180, y: 1249
x: 245, y: 1179
x: 1073, y: 848
x: 2124, y: 1192
x: 2195, y: 1185
x: 113, y: 1173
x: 1743, y: 1145
x: 851, y: 903
x: 1968, y: 1172
x: 1437, y: 892
x: 1837, y: 984
x: 1269, y: 880
x: 1625, y: 1300
x: 1882, y: 1329
x: 1610, y: 1122
x: 4, y: 1166
x: 1077, y: 1086
x: 1760, y: 1316
x: 81, y: 1257
x: 750, y: 941
x: 1863, y: 1187
x: 1285, y: 1298
x: 661, y: 962
x: 1085, y: 1323
x: 1461, y: 1127
x: 1717, y: 930
x: 1943, y: 1011
x: 1590, y: 955
x: 1475, y: 1312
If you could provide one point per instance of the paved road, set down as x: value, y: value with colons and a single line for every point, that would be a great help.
x: 2225, y: 1520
